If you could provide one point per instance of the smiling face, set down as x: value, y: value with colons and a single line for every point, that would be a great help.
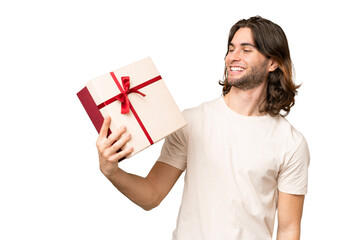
x: 246, y: 67
x: 258, y: 55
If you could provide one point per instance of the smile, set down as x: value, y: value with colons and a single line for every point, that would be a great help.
x: 237, y: 69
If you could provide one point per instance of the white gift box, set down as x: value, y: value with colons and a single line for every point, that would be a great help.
x: 152, y: 112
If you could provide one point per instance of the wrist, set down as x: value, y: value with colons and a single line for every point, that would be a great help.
x: 110, y: 172
x: 113, y: 174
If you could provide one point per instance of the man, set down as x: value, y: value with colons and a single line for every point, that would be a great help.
x: 243, y: 159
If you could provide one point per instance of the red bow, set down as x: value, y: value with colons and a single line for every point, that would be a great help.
x: 123, y: 96
x: 124, y: 92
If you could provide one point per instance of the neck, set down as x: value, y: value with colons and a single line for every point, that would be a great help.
x: 246, y: 102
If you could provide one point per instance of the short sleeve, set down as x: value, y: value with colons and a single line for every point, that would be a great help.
x: 293, y: 175
x: 174, y: 150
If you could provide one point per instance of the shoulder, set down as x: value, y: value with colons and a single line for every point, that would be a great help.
x: 293, y: 140
x: 293, y: 170
x: 288, y: 131
x: 195, y: 116
x: 201, y: 110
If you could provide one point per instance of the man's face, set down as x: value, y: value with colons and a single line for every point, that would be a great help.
x: 246, y: 67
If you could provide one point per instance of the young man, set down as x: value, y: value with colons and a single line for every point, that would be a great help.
x: 243, y: 159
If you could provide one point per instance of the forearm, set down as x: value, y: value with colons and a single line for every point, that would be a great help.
x: 111, y: 149
x: 145, y: 192
x: 288, y: 234
x: 138, y: 189
x: 289, y: 216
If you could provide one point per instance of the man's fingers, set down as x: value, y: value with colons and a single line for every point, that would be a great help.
x: 105, y: 127
x: 112, y: 153
x: 116, y: 157
x: 115, y: 136
x: 120, y: 143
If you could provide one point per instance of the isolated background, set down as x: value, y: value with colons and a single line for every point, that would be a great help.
x: 50, y: 183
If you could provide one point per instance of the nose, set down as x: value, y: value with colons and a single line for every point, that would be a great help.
x: 234, y: 55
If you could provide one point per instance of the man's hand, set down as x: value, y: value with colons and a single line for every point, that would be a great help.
x: 108, y: 148
x: 145, y: 192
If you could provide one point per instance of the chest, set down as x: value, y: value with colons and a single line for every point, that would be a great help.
x: 248, y: 152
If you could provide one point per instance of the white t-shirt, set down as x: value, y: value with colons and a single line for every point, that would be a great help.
x: 235, y: 166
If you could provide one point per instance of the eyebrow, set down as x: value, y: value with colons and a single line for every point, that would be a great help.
x: 243, y: 44
x: 247, y: 44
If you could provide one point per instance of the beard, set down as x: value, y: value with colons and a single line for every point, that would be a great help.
x: 254, y: 78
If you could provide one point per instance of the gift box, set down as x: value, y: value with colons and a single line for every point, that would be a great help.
x: 135, y: 96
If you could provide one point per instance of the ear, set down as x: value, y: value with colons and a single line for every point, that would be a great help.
x: 273, y: 65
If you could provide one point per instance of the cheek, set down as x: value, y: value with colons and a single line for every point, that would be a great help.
x: 227, y: 59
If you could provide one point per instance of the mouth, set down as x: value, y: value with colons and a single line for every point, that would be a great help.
x: 237, y: 69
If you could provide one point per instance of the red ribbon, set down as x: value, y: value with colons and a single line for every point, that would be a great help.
x: 123, y: 98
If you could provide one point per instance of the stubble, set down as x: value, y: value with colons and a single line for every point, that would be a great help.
x: 254, y: 78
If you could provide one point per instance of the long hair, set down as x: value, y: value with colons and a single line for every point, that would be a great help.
x: 270, y: 40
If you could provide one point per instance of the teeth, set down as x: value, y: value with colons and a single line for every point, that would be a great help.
x: 236, y: 68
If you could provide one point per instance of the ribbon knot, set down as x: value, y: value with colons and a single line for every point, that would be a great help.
x: 125, y: 91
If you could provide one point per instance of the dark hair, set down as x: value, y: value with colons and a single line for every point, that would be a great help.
x: 270, y: 40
